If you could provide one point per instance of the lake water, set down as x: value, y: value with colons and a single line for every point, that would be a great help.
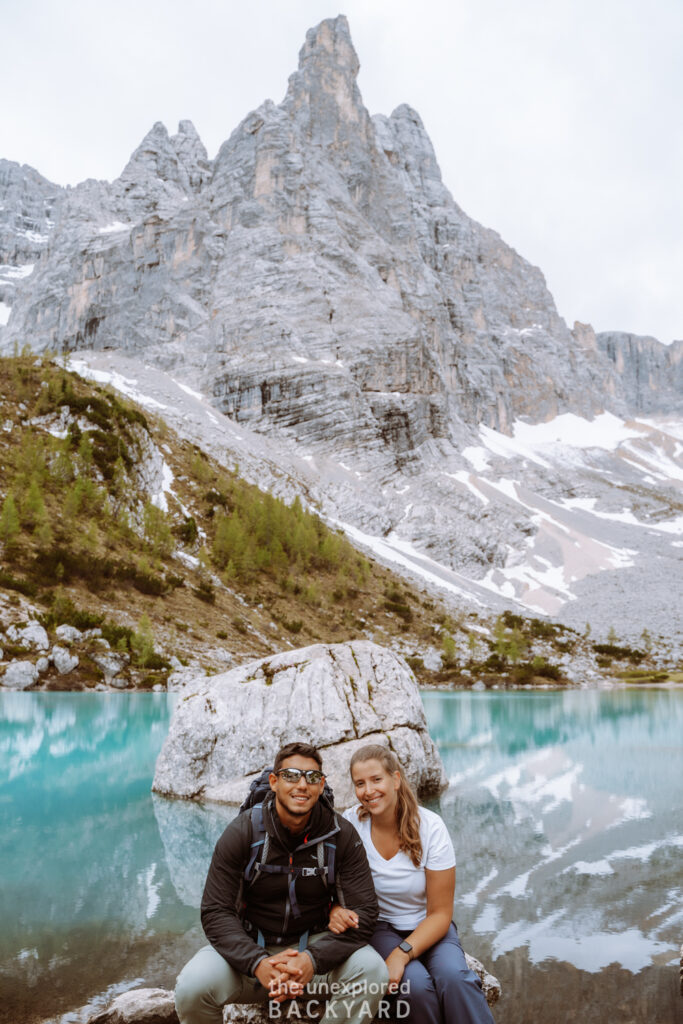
x: 565, y: 809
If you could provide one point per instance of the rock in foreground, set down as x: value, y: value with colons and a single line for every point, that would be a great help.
x: 337, y: 696
x: 155, y: 1005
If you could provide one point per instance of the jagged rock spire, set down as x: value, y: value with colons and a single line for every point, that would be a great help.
x: 323, y: 94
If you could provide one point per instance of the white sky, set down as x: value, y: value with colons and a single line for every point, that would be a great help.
x: 555, y: 122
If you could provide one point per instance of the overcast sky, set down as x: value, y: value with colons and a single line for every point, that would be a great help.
x: 556, y: 122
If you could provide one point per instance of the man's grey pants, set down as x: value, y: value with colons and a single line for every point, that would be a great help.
x: 207, y: 983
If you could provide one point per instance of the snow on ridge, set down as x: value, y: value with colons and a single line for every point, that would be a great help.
x: 159, y: 499
x: 5, y: 311
x: 123, y: 384
x: 10, y: 273
x: 463, y: 477
x: 393, y: 549
x: 478, y: 457
x: 33, y: 236
x: 606, y: 431
x: 188, y: 391
x: 671, y: 425
x: 509, y: 447
x: 625, y: 516
x: 653, y: 461
x: 116, y: 225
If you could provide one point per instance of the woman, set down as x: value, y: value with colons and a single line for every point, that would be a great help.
x: 413, y: 866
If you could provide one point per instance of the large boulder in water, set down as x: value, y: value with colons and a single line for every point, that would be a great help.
x: 336, y: 696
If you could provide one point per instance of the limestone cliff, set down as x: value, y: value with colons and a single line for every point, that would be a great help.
x: 651, y: 374
x: 317, y: 277
x: 318, y: 283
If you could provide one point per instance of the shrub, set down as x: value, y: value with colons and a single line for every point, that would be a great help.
x: 64, y: 612
x: 205, y: 591
x: 11, y: 582
x: 399, y: 608
x: 187, y: 531
x: 293, y: 625
x: 120, y: 637
x: 622, y: 653
x: 144, y: 579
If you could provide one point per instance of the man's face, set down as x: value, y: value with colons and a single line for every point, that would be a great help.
x: 296, y: 799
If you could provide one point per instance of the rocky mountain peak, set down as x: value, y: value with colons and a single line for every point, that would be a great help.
x: 191, y: 153
x: 327, y: 46
x: 154, y: 157
x: 323, y: 94
x: 320, y: 284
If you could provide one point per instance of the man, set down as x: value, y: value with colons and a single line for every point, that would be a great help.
x: 266, y: 904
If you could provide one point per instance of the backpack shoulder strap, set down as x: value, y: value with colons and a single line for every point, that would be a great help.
x: 259, y: 844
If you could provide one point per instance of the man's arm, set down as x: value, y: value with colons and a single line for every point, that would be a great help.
x: 220, y: 919
x: 353, y: 872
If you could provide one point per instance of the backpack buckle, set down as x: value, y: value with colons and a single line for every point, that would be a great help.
x: 307, y: 872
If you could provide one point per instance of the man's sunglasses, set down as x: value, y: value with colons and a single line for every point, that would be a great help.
x: 312, y: 776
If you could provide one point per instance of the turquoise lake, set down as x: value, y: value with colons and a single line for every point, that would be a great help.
x: 565, y: 809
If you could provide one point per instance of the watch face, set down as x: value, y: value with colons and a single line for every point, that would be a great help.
x: 405, y: 946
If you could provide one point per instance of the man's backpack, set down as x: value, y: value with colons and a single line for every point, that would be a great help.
x: 260, y: 843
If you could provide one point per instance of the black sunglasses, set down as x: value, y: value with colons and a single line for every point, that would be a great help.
x: 311, y: 775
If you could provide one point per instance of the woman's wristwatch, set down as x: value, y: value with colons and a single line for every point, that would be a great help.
x: 405, y: 947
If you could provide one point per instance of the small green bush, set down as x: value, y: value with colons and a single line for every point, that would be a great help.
x: 205, y: 591
x: 621, y: 653
x: 399, y: 608
x: 63, y: 611
x: 11, y: 582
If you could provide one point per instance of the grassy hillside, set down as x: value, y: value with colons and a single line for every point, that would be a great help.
x: 108, y: 520
x: 111, y: 523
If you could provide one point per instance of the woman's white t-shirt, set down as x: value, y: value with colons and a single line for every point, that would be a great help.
x: 401, y: 887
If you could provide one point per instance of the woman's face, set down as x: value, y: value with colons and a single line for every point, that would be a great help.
x: 376, y: 788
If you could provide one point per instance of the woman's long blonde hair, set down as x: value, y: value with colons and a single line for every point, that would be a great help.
x: 407, y: 810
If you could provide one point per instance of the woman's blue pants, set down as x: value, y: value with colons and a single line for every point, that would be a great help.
x: 441, y: 987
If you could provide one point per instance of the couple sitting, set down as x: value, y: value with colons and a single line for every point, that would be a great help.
x: 290, y: 907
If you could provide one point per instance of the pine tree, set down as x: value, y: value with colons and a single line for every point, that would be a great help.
x: 447, y: 650
x: 33, y: 512
x: 142, y: 641
x: 9, y: 522
x: 646, y: 641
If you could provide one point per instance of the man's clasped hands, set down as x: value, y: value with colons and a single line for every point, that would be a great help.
x: 285, y: 974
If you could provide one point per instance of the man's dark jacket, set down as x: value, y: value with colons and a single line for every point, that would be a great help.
x: 264, y: 904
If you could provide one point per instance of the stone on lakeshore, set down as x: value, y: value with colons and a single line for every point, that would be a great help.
x: 63, y: 660
x: 19, y: 675
x: 42, y: 665
x: 111, y: 665
x: 139, y: 1006
x: 33, y: 635
x: 336, y: 696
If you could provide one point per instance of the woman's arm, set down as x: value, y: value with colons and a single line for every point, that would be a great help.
x: 440, y: 893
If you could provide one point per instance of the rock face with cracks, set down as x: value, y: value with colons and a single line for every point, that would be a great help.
x: 318, y: 283
x: 337, y: 697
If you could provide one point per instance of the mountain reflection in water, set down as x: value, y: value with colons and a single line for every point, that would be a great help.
x: 565, y: 810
